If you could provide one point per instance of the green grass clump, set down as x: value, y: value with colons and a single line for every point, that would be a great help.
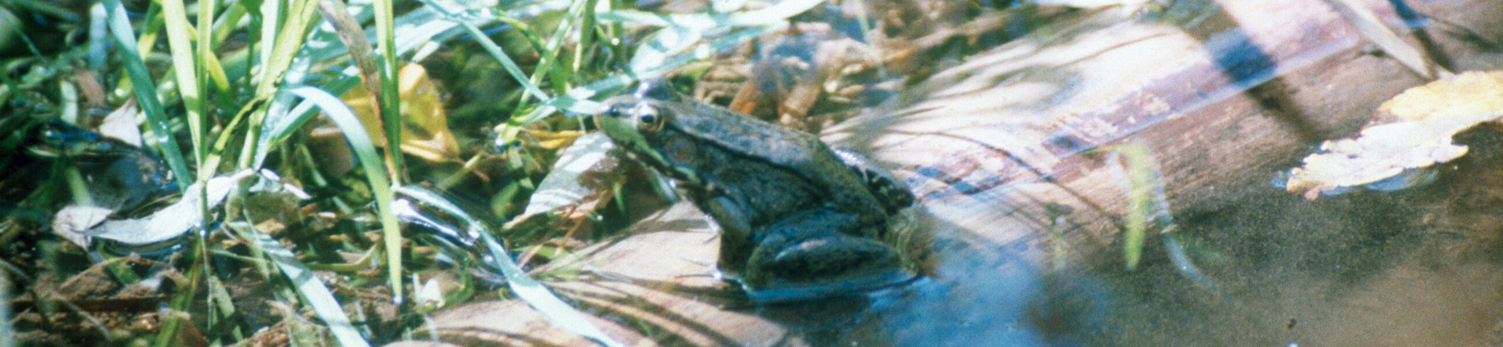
x: 241, y: 81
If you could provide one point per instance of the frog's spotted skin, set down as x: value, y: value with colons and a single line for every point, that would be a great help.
x: 798, y: 220
x: 888, y: 188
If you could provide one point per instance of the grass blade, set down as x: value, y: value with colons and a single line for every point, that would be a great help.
x: 289, y: 42
x: 7, y: 334
x: 313, y: 290
x: 183, y: 299
x: 390, y: 100
x: 535, y: 294
x: 203, y: 58
x: 772, y: 15
x: 495, y: 50
x: 145, y: 88
x: 178, y: 32
x: 360, y: 142
x: 1372, y: 28
x: 1146, y: 205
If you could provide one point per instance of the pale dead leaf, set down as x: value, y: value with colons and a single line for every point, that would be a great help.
x: 121, y: 124
x: 564, y: 186
x: 429, y: 293
x: 73, y: 222
x: 1468, y: 95
x: 175, y: 219
x: 1431, y: 115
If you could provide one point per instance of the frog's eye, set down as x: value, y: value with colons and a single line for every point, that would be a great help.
x: 649, y: 119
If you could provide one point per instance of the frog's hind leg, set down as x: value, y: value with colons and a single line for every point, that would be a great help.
x: 809, y: 256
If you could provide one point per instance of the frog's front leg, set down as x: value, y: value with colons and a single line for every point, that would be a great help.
x: 815, y: 253
x: 736, y: 238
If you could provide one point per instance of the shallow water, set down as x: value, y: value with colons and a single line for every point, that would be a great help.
x: 1422, y: 267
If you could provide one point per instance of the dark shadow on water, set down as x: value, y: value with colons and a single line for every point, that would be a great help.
x: 1242, y: 60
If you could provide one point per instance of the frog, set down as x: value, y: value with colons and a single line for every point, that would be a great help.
x: 797, y: 218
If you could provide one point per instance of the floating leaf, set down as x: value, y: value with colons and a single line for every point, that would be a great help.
x: 1466, y: 96
x: 1428, y: 115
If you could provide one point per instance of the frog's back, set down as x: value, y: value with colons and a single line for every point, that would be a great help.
x: 746, y: 135
x: 777, y: 146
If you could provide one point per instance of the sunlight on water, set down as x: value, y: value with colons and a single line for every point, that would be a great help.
x: 1419, y: 267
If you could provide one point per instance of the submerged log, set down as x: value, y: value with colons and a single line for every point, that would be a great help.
x: 1227, y: 94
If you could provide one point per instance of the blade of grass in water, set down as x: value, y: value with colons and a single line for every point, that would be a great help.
x: 203, y: 58
x: 220, y: 307
x: 550, y: 55
x: 348, y: 29
x: 586, y: 40
x: 576, y: 100
x: 1140, y: 180
x: 360, y: 142
x: 390, y: 99
x: 1373, y: 29
x: 189, y: 87
x: 145, y: 88
x: 313, y: 290
x: 772, y: 15
x: 535, y: 294
x: 7, y: 335
x: 391, y: 117
x: 289, y: 40
x: 1145, y: 201
x: 270, y: 17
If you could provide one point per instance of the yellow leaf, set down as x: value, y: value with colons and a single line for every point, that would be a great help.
x: 425, y: 125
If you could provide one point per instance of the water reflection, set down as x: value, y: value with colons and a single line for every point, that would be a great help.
x: 1418, y: 267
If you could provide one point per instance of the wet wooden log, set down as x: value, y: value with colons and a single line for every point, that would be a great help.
x: 1226, y: 95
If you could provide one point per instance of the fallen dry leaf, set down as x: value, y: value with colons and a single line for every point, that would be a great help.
x: 1470, y: 94
x: 1428, y: 116
x: 121, y: 124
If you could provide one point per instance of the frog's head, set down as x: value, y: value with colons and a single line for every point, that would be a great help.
x: 642, y: 124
